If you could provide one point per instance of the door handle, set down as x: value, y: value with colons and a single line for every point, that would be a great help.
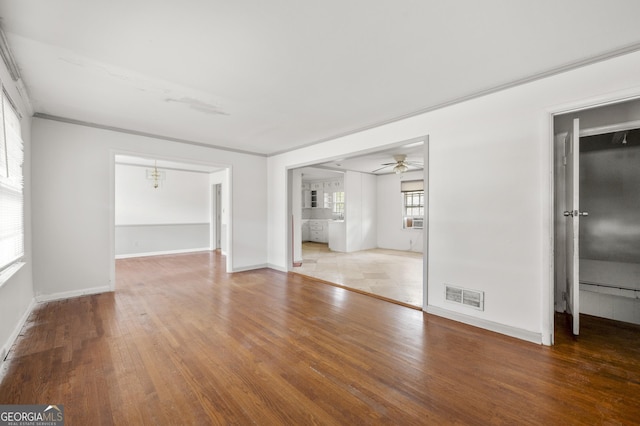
x: 575, y: 213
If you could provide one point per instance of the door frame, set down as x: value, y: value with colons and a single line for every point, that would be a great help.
x: 215, y: 235
x: 289, y: 239
x: 574, y: 107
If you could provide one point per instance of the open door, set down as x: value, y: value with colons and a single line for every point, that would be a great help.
x: 572, y: 214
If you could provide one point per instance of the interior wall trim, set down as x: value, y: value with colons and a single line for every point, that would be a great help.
x: 139, y: 133
x: 508, y: 330
x: 40, y: 298
x: 534, y: 77
x: 6, y: 347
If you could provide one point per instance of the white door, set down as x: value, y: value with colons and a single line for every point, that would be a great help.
x: 572, y: 214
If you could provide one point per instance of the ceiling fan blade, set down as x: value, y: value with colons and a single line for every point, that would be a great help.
x: 383, y: 167
x: 414, y: 163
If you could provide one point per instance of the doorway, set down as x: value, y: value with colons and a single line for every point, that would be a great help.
x: 216, y: 219
x: 369, y: 243
x: 166, y: 206
x: 601, y: 277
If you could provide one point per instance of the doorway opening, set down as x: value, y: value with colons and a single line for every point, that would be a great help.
x: 350, y: 224
x: 166, y: 206
x: 216, y: 216
x: 596, y: 220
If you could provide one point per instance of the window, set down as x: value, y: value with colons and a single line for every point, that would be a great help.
x: 412, y: 204
x: 338, y: 203
x: 11, y: 198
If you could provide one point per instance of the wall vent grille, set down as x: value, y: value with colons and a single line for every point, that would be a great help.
x: 464, y: 296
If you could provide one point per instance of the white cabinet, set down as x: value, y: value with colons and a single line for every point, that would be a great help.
x: 318, y: 231
x: 321, y: 193
x: 305, y: 230
x: 306, y: 199
x: 337, y: 236
x: 317, y: 197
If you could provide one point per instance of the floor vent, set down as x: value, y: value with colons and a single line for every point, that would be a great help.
x: 464, y: 296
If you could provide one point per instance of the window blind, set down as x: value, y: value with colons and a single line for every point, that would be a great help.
x: 11, y: 183
x: 411, y: 185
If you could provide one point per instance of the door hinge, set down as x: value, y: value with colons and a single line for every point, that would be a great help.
x: 564, y: 160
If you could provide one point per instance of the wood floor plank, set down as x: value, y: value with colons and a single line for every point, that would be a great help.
x: 183, y: 342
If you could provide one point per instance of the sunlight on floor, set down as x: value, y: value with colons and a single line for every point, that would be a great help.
x: 393, y: 274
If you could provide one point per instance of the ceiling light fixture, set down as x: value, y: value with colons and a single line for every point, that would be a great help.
x: 155, y: 175
x: 400, y: 168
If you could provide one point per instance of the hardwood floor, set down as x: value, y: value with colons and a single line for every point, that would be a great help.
x: 182, y: 342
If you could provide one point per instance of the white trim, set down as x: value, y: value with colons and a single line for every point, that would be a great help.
x: 162, y: 253
x: 74, y: 293
x: 140, y: 225
x: 10, y: 271
x: 249, y: 268
x: 14, y: 335
x: 518, y: 333
x: 44, y: 116
x: 611, y: 128
x: 276, y: 267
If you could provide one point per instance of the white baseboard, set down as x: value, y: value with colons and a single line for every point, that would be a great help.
x: 14, y: 335
x: 249, y: 268
x: 69, y: 294
x: 277, y: 267
x: 161, y: 253
x: 518, y: 333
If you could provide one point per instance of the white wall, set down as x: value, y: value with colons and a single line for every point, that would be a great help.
x: 183, y: 197
x: 73, y: 191
x: 173, y: 218
x: 490, y: 192
x: 296, y: 213
x: 360, y: 211
x: 391, y: 234
x: 16, y: 293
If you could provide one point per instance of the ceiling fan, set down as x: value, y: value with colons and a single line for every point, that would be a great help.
x: 401, y: 164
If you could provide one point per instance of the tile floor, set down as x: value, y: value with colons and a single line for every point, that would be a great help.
x: 392, y: 274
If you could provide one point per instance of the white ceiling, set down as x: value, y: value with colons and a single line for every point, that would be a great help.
x: 270, y: 76
x: 378, y: 162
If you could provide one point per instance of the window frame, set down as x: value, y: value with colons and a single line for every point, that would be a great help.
x: 12, y: 222
x: 413, y: 204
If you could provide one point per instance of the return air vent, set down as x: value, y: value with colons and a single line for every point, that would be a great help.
x: 464, y: 296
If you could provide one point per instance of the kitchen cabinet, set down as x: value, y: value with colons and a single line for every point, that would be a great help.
x: 319, y: 231
x: 337, y: 236
x: 305, y: 230
x: 306, y: 199
x: 317, y: 198
x: 321, y: 193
